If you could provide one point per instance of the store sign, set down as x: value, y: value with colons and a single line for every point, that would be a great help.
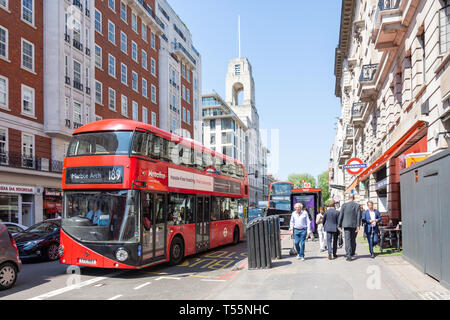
x: 17, y: 189
x: 95, y: 175
x: 381, y: 184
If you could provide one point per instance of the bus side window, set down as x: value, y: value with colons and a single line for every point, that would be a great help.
x: 146, y: 211
x: 215, y: 209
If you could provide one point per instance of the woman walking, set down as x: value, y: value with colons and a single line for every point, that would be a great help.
x: 320, y: 230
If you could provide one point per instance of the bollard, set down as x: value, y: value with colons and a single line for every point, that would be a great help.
x: 268, y: 263
x: 272, y: 240
x: 251, y: 253
x: 277, y: 237
x: 262, y: 249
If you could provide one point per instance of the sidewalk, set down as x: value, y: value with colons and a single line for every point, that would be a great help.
x: 317, y: 278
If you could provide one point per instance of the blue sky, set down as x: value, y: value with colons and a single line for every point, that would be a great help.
x: 291, y: 46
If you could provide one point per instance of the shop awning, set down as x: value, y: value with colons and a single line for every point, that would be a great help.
x: 404, y: 141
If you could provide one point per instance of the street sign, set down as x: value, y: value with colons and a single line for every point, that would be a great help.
x: 354, y: 166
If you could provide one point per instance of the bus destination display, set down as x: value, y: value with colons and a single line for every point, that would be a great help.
x: 94, y: 175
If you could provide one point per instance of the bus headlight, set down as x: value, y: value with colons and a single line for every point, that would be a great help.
x: 121, y: 254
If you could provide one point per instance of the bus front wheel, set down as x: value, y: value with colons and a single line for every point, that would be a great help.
x: 236, y: 235
x: 176, y: 251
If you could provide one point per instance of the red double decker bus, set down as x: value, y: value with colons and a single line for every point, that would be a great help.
x: 136, y: 195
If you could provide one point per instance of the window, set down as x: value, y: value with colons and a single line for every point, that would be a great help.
x: 3, y: 145
x: 27, y: 149
x: 123, y: 11
x: 188, y: 95
x: 134, y: 49
x: 27, y: 55
x: 98, y: 92
x: 153, y: 119
x: 188, y: 74
x: 183, y: 70
x: 183, y: 91
x: 153, y: 94
x: 153, y: 66
x: 27, y: 101
x: 188, y: 117
x: 112, y: 99
x: 144, y: 88
x: 98, y: 57
x: 144, y: 115
x: 4, y: 40
x: 77, y: 113
x: 124, y: 73
x: 134, y: 22
x: 76, y: 27
x: 124, y: 106
x: 195, y: 84
x: 152, y: 40
x: 444, y: 29
x: 144, y: 59
x: 76, y: 72
x: 4, y: 4
x: 212, y: 124
x: 123, y: 42
x: 112, y: 5
x: 184, y: 114
x: 134, y: 81
x: 181, y: 209
x: 144, y: 31
x: 28, y: 11
x: 135, y: 110
x: 98, y: 21
x: 237, y: 69
x: 212, y: 139
x: 4, y: 92
x: 111, y: 66
x: 111, y: 32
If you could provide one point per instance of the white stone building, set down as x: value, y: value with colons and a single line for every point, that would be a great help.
x: 392, y: 77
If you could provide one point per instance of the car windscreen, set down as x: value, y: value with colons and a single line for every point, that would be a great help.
x: 100, y: 143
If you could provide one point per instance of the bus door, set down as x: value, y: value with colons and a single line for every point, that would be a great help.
x: 154, y: 226
x: 202, y: 224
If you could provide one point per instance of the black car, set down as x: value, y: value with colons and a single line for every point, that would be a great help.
x: 40, y: 240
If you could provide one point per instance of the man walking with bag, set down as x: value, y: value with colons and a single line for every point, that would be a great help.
x: 300, y: 228
x: 350, y: 220
x: 371, y: 218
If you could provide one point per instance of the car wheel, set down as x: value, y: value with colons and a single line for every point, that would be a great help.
x: 176, y: 251
x: 8, y: 275
x: 52, y: 252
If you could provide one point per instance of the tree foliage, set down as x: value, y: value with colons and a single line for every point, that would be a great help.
x: 324, y: 185
x: 298, y: 178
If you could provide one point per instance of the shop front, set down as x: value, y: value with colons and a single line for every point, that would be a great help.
x: 17, y: 203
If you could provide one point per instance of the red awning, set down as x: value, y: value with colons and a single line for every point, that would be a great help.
x: 388, y: 154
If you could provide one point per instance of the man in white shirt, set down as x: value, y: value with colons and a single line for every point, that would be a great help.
x: 300, y: 228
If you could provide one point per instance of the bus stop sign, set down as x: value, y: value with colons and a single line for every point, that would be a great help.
x: 354, y: 166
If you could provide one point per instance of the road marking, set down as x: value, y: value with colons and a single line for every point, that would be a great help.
x: 170, y: 278
x: 74, y: 286
x: 142, y: 285
x: 196, y: 276
x: 213, y: 280
x: 115, y: 297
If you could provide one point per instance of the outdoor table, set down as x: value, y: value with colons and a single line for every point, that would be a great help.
x: 384, y: 230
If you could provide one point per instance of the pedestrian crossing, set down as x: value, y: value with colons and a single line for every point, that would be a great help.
x: 429, y: 295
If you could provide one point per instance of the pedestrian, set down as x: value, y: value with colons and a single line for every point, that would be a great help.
x: 330, y: 225
x: 371, y: 218
x: 350, y: 219
x: 300, y: 228
x: 320, y: 230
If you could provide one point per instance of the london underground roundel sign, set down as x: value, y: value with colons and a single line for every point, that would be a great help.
x: 355, y: 166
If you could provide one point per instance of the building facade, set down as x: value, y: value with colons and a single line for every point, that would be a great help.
x: 30, y: 167
x: 179, y: 77
x: 392, y: 77
x: 223, y: 130
x: 67, y: 63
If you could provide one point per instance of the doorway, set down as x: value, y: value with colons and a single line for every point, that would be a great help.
x: 202, y: 227
x: 154, y: 226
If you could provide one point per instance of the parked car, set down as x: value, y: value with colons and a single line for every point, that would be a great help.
x: 40, y: 240
x: 14, y: 228
x: 10, y: 264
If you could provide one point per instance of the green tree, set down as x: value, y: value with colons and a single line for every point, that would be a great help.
x: 323, y: 184
x: 298, y: 178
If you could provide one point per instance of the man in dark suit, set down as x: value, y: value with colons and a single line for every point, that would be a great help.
x: 330, y: 225
x: 350, y: 219
x: 371, y: 218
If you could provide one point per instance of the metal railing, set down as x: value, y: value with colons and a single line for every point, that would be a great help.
x: 78, y: 4
x: 368, y: 72
x: 179, y: 46
x: 15, y: 160
x: 78, y: 45
x: 77, y: 85
x: 357, y: 109
x: 151, y: 13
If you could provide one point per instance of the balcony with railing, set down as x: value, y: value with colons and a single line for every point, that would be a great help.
x: 19, y: 161
x: 349, y: 134
x: 77, y: 44
x: 357, y: 114
x: 181, y: 52
x: 367, y: 88
x: 388, y: 28
x: 77, y: 85
x: 146, y: 13
x: 346, y: 148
